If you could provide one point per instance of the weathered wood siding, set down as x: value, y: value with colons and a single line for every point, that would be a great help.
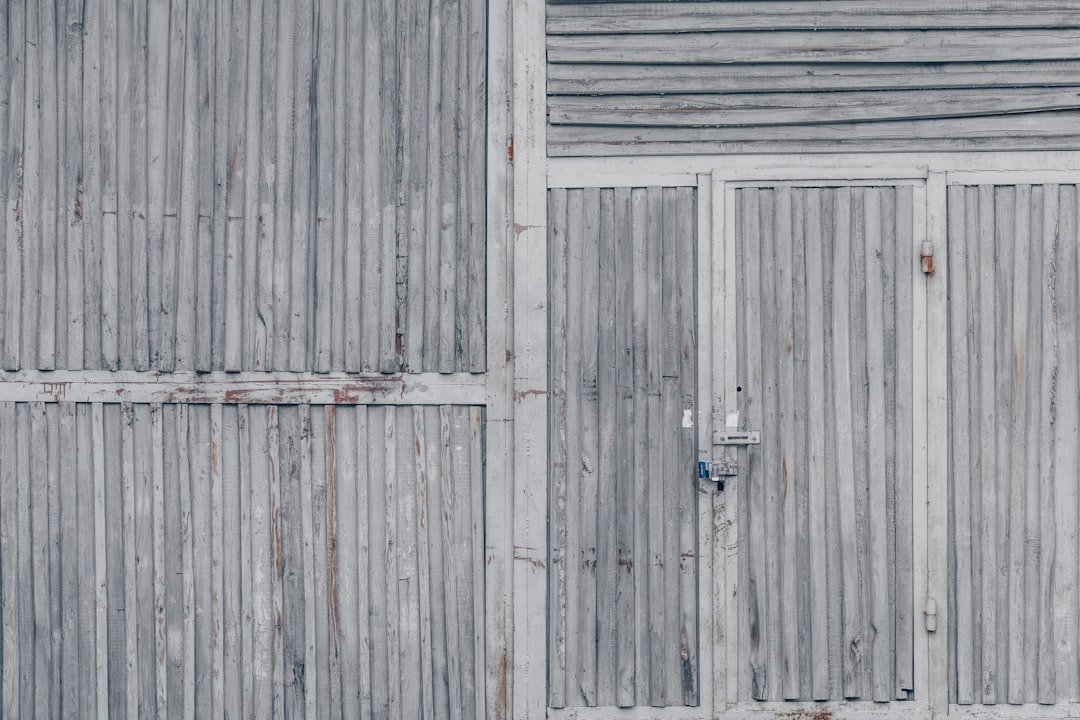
x: 623, y: 556
x: 824, y: 281
x: 812, y: 75
x: 241, y: 561
x: 1014, y: 409
x: 265, y: 185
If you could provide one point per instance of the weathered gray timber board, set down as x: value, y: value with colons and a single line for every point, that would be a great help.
x: 271, y: 185
x: 250, y: 560
x: 1013, y: 418
x: 623, y: 529
x: 823, y: 375
x: 764, y: 76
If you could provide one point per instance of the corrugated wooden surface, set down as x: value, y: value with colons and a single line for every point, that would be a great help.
x: 825, y: 279
x: 623, y: 522
x: 1014, y: 418
x: 763, y: 75
x: 240, y: 561
x: 267, y: 185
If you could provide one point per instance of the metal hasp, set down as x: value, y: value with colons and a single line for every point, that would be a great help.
x: 736, y: 437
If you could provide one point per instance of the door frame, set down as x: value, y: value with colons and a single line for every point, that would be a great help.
x: 710, y: 173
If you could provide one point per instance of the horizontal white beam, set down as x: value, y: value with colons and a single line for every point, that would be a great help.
x: 249, y: 387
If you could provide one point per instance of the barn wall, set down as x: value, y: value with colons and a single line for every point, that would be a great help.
x: 811, y: 75
x: 272, y: 185
x: 240, y: 560
x: 623, y: 538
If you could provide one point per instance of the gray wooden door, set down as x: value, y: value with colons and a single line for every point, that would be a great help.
x: 822, y: 281
x: 623, y: 564
x: 1014, y: 420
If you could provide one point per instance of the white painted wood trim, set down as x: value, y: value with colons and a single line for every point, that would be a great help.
x: 530, y: 442
x: 1012, y: 177
x: 937, y: 446
x: 919, y: 547
x: 612, y: 180
x: 1017, y: 712
x: 796, y: 166
x: 711, y: 589
x: 499, y: 468
x: 219, y: 387
x: 617, y: 713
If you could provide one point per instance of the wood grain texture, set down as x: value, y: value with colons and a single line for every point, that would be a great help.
x: 819, y: 355
x: 618, y: 70
x: 623, y: 555
x: 186, y: 626
x: 1011, y: 429
x: 176, y: 205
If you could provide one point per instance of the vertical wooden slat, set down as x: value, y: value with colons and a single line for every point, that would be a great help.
x: 100, y: 598
x: 247, y: 460
x: 904, y: 433
x: 15, y: 153
x: 125, y: 61
x: 128, y: 481
x: 367, y: 21
x: 107, y: 225
x: 320, y: 702
x: 9, y: 50
x: 788, y: 468
x: 28, y: 193
x: 959, y: 434
x: 607, y: 551
x: 184, y: 626
x: 385, y: 359
x: 37, y: 556
x: 327, y: 554
x: 448, y: 180
x: 9, y: 576
x: 569, y: 424
x: 229, y: 531
x: 137, y: 180
x: 441, y: 690
x: 558, y: 472
x: 70, y: 477
x: 327, y: 236
x: 588, y: 310
x: 263, y: 463
x: 71, y: 185
x: 46, y: 230
x: 816, y: 424
x: 216, y: 570
x: 426, y: 684
x: 356, y: 132
x: 880, y: 651
x: 393, y: 606
x: 288, y: 541
x: 200, y: 531
x: 345, y: 565
x: 26, y: 697
x: 1066, y: 465
x: 157, y: 443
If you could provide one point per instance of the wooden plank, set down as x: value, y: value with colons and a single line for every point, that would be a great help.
x: 625, y: 600
x: 451, y: 599
x: 71, y: 476
x: 382, y: 584
x: 157, y: 64
x: 215, y: 573
x: 289, y: 546
x: 24, y: 558
x: 71, y: 185
x: 230, y: 538
x: 433, y: 196
x: 200, y: 527
x: 370, y: 665
x: 326, y: 557
x: 129, y: 570
x: 36, y: 554
x: 475, y: 47
x: 345, y: 564
x: 844, y: 449
x: 326, y: 237
x: 302, y: 182
x: 438, y: 548
x: 588, y: 310
x: 1066, y: 462
x: 960, y: 453
x: 370, y: 78
x: 183, y: 628
x: 408, y: 568
x: 384, y: 358
x: 816, y: 16
x: 749, y: 109
x: 200, y: 282
x: 124, y: 40
x: 101, y: 631
x: 645, y: 79
x: 693, y: 631
x: 13, y: 232
x: 904, y: 428
x: 473, y: 539
x: 6, y: 48
x: 280, y: 106
x: 815, y: 383
x: 571, y: 424
x: 107, y: 139
x: 821, y: 46
x: 237, y: 161
x: 558, y: 472
x: 662, y: 597
x: 275, y: 533
x: 356, y: 211
x: 607, y: 413
x: 263, y: 655
x: 160, y: 626
x: 414, y: 55
x: 1024, y: 131
x: 426, y: 684
x: 636, y: 271
x: 48, y: 323
x: 28, y: 193
x: 1048, y: 389
x: 881, y: 609
x: 247, y: 459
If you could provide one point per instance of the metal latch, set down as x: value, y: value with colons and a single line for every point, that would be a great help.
x: 736, y: 437
x: 716, y: 471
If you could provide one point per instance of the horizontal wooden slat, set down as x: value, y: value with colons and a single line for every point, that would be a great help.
x: 640, y: 79
x: 575, y: 18
x: 249, y: 387
x: 1031, y: 131
x: 822, y: 46
x: 805, y: 108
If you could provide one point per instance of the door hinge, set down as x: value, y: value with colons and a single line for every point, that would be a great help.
x: 930, y: 615
x: 926, y: 255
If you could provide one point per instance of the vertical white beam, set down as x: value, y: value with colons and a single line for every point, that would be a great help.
x: 499, y: 476
x: 937, y: 496
x: 530, y: 360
